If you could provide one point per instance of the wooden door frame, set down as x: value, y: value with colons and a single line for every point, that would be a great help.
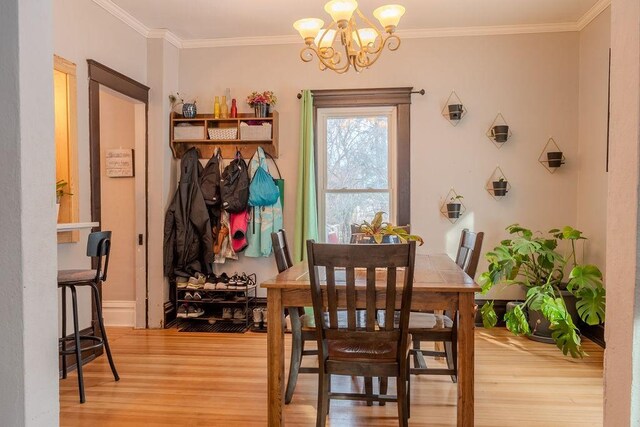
x: 100, y: 74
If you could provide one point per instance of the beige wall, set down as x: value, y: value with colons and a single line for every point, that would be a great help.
x: 595, y: 40
x: 117, y: 130
x: 531, y: 79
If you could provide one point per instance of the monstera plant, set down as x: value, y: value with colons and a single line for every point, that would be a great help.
x: 377, y: 229
x: 535, y: 262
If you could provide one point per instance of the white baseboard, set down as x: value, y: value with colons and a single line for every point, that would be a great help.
x: 119, y: 313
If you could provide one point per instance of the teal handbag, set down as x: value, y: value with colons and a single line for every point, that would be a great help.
x: 263, y: 190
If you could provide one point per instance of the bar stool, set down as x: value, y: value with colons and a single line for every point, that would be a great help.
x: 98, y: 246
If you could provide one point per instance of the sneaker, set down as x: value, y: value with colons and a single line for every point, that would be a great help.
x: 239, y: 314
x: 197, y: 296
x: 181, y: 282
x: 257, y: 317
x: 182, y: 312
x: 193, y: 311
x: 242, y: 280
x: 234, y: 279
x: 223, y: 278
x: 196, y: 281
x: 211, y: 282
x: 187, y: 296
x: 226, y: 313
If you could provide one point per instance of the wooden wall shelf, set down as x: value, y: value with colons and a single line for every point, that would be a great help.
x: 228, y: 147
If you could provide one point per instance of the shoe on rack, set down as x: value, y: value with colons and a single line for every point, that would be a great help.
x: 233, y: 280
x: 242, y: 280
x: 210, y: 283
x: 181, y: 282
x: 226, y: 313
x: 182, y: 312
x: 239, y: 314
x: 197, y: 296
x: 257, y: 317
x: 194, y: 311
x: 187, y: 296
x: 223, y: 278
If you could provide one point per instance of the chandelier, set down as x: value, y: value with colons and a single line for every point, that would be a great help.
x: 356, y: 45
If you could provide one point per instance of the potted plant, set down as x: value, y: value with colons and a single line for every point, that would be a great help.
x: 378, y: 231
x: 453, y: 207
x: 60, y: 192
x: 455, y: 111
x: 534, y: 262
x: 261, y: 102
x: 500, y: 187
x: 555, y: 159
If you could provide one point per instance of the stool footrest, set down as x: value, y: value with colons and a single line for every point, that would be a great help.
x: 99, y: 342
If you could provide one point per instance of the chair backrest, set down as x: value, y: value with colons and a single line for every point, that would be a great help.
x: 99, y: 246
x: 469, y: 251
x: 387, y: 258
x: 281, y: 250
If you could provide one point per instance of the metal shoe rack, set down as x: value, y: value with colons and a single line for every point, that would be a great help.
x: 215, y: 300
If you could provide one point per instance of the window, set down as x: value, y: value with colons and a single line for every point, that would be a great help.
x: 356, y: 167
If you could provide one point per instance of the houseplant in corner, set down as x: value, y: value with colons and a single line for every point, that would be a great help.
x: 535, y: 262
x: 378, y: 231
x: 60, y: 192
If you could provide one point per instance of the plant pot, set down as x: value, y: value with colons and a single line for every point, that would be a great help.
x: 500, y: 133
x: 189, y: 111
x: 555, y: 159
x: 500, y: 188
x: 455, y: 111
x: 540, y: 326
x: 453, y: 210
x: 260, y: 110
x: 368, y: 240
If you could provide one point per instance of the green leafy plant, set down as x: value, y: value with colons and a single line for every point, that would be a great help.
x: 60, y: 190
x: 456, y: 199
x: 534, y: 262
x: 378, y: 229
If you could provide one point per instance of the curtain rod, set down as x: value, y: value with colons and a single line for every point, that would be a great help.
x: 421, y: 92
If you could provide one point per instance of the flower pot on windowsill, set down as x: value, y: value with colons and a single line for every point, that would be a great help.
x: 453, y: 210
x: 500, y: 188
x: 555, y: 159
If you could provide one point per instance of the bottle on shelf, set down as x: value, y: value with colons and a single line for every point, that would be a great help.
x: 234, y: 109
x: 216, y: 108
x: 224, y: 108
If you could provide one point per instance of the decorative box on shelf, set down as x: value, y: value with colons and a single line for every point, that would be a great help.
x: 188, y: 131
x: 223, y: 133
x: 260, y: 132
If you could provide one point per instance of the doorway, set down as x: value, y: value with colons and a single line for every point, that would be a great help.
x: 118, y: 109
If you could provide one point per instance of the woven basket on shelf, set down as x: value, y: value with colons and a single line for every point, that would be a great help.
x: 223, y: 133
x: 255, y: 133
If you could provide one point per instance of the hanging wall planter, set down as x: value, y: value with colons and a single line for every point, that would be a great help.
x: 498, y: 185
x: 552, y: 156
x: 454, y: 110
x: 452, y: 208
x: 499, y: 132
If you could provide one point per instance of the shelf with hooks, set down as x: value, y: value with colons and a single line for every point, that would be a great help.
x: 499, y: 132
x: 454, y: 110
x: 498, y: 184
x: 551, y: 157
x: 452, y: 208
x: 203, y: 130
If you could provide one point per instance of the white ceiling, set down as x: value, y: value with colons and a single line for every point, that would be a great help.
x: 221, y: 19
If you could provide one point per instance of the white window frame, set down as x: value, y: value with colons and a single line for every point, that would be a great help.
x: 322, y: 115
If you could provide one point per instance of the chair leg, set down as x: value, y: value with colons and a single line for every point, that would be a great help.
x: 401, y: 385
x: 296, y: 354
x: 408, y: 408
x: 328, y: 392
x: 368, y: 389
x: 76, y: 334
x: 63, y: 289
x: 452, y: 362
x: 103, y: 331
x: 384, y: 386
x: 323, y: 398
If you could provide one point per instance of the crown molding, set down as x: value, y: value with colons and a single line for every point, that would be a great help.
x: 592, y: 13
x: 172, y: 38
x: 167, y: 35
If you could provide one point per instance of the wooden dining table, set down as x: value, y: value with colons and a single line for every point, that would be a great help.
x: 438, y: 284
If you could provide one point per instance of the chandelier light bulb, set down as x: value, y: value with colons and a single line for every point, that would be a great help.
x: 389, y: 16
x: 341, y: 10
x: 323, y: 40
x: 308, y: 28
x: 367, y: 36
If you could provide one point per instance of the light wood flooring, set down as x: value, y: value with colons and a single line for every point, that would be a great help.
x: 171, y: 378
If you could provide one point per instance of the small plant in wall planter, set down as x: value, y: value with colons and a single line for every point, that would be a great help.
x: 453, y: 206
x: 500, y: 187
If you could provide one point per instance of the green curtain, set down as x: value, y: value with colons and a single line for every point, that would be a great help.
x: 306, y: 203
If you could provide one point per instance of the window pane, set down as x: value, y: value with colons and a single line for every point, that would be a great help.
x: 357, y: 152
x: 344, y: 209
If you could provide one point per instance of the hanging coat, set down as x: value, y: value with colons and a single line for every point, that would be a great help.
x: 188, y: 242
x: 264, y: 219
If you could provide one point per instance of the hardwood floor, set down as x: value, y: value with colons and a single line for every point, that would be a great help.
x: 171, y: 378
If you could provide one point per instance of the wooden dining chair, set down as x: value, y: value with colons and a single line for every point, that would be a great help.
x: 443, y: 328
x: 365, y: 350
x: 299, y: 332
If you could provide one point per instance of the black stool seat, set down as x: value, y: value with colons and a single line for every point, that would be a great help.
x: 98, y: 246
